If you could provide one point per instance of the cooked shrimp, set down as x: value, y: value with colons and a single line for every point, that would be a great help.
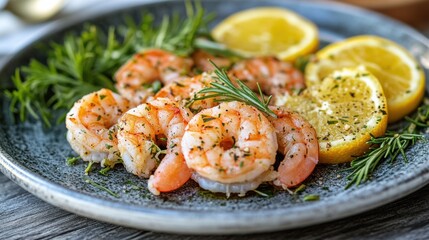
x: 297, y: 141
x: 135, y: 78
x: 91, y: 125
x: 230, y: 148
x: 274, y: 76
x: 184, y: 89
x: 142, y: 132
x: 202, y: 64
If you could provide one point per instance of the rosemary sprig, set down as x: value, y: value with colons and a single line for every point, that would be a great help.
x: 223, y: 90
x: 85, y: 62
x: 390, y: 146
x: 78, y: 66
x: 173, y: 34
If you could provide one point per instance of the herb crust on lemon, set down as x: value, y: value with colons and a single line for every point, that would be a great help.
x: 400, y: 75
x: 346, y: 109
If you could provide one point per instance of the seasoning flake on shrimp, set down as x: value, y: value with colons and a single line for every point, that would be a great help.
x: 229, y: 148
x: 91, y: 125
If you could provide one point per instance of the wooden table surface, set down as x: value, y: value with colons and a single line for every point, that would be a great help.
x: 24, y: 216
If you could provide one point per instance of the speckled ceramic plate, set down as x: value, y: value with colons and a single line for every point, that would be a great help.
x: 34, y: 157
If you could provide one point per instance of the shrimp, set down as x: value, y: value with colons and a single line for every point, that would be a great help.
x: 202, y: 64
x: 275, y: 77
x: 91, y: 125
x: 230, y: 148
x: 183, y: 90
x: 135, y: 78
x: 297, y: 141
x: 142, y: 132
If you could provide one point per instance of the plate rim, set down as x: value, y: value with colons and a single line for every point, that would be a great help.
x: 157, y: 219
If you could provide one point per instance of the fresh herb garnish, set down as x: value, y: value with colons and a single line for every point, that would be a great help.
x: 389, y: 146
x: 154, y: 86
x: 104, y: 171
x: 84, y: 63
x: 157, y: 151
x: 216, y: 48
x: 311, y: 197
x: 71, y: 161
x: 223, y: 90
x: 299, y: 189
x: 88, y: 169
x: 207, y: 118
x: 302, y: 62
x: 173, y: 34
x: 76, y: 67
x: 103, y: 188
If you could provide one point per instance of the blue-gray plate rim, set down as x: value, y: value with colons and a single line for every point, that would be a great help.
x: 213, y: 220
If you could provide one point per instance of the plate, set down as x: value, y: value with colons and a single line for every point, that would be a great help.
x: 34, y: 157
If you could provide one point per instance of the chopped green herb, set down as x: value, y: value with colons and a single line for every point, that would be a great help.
x: 207, y: 118
x: 104, y: 171
x: 299, y: 189
x: 88, y: 180
x: 311, y: 197
x: 179, y: 84
x: 71, y: 161
x: 88, y: 168
x: 302, y: 62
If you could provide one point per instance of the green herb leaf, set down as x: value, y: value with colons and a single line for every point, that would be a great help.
x: 71, y: 161
x: 299, y: 189
x: 84, y: 63
x: 311, y: 197
x: 390, y: 146
x: 88, y: 169
x: 104, y: 171
x: 90, y: 181
x: 302, y: 62
x: 223, y: 90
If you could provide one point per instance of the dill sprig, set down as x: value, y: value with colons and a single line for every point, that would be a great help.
x: 85, y: 62
x: 389, y: 146
x: 223, y: 90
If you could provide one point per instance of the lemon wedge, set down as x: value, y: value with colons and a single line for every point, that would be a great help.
x: 399, y: 73
x: 345, y: 109
x: 268, y: 31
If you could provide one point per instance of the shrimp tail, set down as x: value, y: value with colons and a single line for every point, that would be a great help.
x: 171, y: 174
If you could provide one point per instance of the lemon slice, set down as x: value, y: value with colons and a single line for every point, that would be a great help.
x: 400, y: 75
x: 345, y: 109
x: 267, y: 32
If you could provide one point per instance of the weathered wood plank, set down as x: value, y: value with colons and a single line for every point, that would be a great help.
x: 23, y: 216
